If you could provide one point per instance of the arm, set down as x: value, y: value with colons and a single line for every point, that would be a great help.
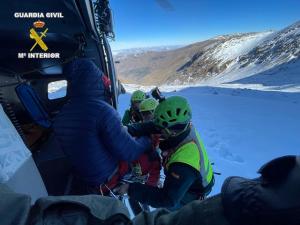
x: 142, y: 129
x: 116, y: 138
x: 178, y: 181
x: 126, y: 118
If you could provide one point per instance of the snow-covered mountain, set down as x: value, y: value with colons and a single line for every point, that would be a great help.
x: 219, y: 60
x: 222, y: 54
x: 278, y: 48
x: 278, y: 53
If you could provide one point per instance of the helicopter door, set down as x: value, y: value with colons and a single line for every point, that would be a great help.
x: 17, y: 168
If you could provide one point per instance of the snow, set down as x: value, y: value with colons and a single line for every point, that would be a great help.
x: 241, y: 128
x: 54, y: 86
x: 166, y: 88
x: 282, y: 77
x: 13, y: 152
x: 57, y: 89
x: 238, y: 46
x: 285, y: 76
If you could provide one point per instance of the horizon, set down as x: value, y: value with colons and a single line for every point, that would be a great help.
x: 148, y: 24
x: 187, y: 44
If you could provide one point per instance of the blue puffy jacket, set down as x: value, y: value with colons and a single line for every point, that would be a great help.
x: 90, y: 130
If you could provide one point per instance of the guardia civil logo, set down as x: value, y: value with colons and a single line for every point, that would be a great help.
x: 39, y: 46
x: 38, y: 38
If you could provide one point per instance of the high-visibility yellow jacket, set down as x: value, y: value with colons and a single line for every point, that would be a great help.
x: 192, y: 152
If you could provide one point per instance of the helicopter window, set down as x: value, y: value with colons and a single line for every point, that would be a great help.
x: 57, y: 89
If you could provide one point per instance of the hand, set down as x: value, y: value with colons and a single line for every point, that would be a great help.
x: 155, y: 140
x: 122, y: 189
x: 157, y: 94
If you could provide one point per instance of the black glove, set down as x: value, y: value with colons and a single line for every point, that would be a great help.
x: 142, y: 129
x: 157, y: 94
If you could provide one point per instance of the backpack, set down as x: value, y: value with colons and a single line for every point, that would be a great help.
x: 271, y: 199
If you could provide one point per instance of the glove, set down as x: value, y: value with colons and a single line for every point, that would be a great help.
x: 157, y: 94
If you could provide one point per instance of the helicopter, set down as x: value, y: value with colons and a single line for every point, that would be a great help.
x: 37, y: 40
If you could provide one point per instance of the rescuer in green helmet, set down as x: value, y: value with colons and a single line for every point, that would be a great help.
x: 146, y: 169
x: 132, y: 114
x: 189, y: 174
x: 147, y: 108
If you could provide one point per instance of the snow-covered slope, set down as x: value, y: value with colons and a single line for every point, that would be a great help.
x: 242, y: 128
x: 238, y: 45
x: 277, y: 50
x: 284, y: 77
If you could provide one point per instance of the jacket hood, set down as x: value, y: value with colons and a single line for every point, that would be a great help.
x: 85, y: 79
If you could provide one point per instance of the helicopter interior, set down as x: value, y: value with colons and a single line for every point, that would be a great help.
x: 25, y: 83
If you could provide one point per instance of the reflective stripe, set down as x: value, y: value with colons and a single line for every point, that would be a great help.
x: 206, y: 171
x: 193, y: 153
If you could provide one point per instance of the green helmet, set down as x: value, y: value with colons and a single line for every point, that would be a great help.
x: 138, y: 96
x: 149, y: 104
x: 172, y: 111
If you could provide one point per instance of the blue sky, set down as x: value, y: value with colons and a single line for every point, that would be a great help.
x: 144, y: 23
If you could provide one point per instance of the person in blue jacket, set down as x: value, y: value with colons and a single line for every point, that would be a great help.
x: 90, y: 131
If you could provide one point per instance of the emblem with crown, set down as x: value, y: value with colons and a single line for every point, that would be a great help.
x: 39, y: 24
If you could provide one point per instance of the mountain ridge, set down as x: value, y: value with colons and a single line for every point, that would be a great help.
x: 219, y: 59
